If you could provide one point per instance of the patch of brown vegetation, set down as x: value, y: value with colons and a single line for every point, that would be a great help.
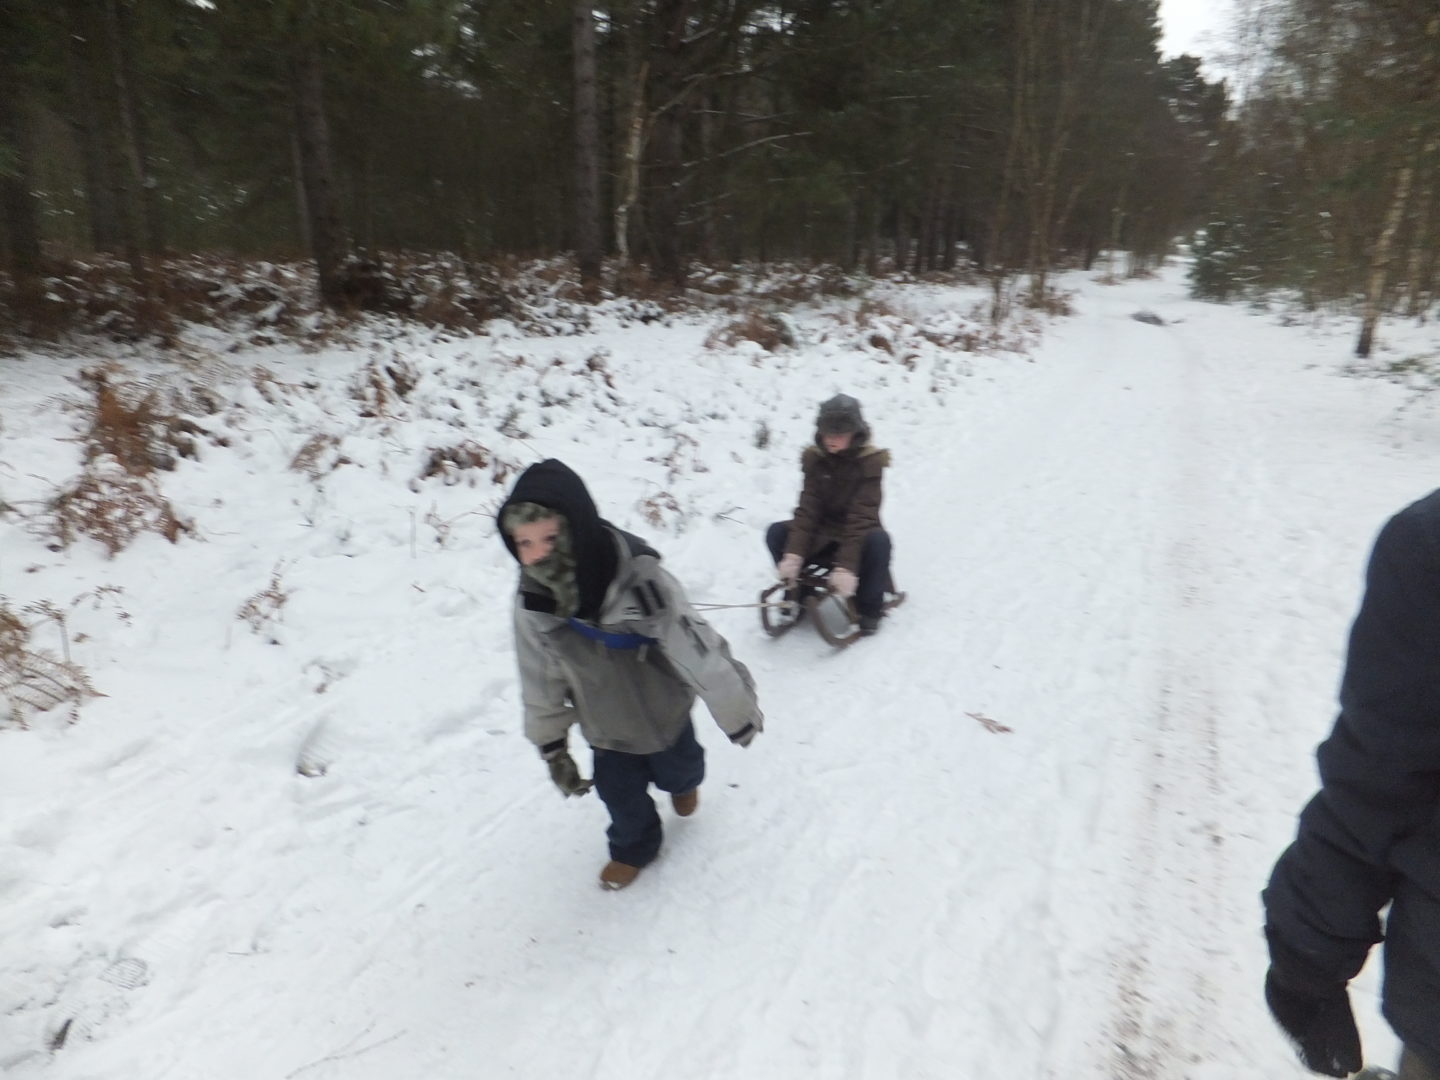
x: 110, y: 504
x: 658, y: 507
x: 266, y: 606
x: 449, y: 463
x: 380, y: 386
x: 130, y: 425
x: 319, y: 455
x: 767, y: 330
x: 32, y: 680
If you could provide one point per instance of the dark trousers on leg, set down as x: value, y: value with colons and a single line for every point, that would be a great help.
x: 1412, y: 1068
x: 874, y: 572
x: 623, y: 784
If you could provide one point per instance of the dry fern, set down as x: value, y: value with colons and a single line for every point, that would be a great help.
x: 660, y: 509
x: 768, y: 331
x: 319, y: 455
x: 137, y: 424
x: 380, y: 387
x: 112, y: 505
x: 266, y: 606
x: 450, y: 462
x: 32, y: 681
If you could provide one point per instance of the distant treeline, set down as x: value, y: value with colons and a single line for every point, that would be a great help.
x: 1015, y: 135
x: 1006, y: 132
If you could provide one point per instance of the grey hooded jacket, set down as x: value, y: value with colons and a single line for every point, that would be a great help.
x: 635, y: 700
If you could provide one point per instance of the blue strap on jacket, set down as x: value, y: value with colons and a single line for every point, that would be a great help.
x: 608, y: 639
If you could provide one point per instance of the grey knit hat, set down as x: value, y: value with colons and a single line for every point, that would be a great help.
x: 840, y: 416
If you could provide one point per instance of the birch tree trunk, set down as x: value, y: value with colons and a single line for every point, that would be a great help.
x: 1381, y: 256
x: 587, y: 150
x: 633, y: 144
x: 1417, y: 285
x: 1117, y: 223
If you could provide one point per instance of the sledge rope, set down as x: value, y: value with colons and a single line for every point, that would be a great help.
x: 730, y: 607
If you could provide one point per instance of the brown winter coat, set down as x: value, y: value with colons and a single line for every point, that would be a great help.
x: 840, y: 501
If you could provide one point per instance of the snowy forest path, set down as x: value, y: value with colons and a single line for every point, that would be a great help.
x: 1129, y: 507
x: 1020, y: 833
x: 1237, y: 600
x: 1080, y: 514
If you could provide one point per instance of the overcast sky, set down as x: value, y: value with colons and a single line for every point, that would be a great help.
x: 1193, y: 26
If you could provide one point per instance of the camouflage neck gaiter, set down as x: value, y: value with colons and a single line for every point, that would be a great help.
x: 556, y: 572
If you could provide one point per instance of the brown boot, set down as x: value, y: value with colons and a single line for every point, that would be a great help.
x: 617, y: 875
x: 687, y: 802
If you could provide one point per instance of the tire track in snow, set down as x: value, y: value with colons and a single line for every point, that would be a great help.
x: 1069, y: 475
x: 1176, y: 886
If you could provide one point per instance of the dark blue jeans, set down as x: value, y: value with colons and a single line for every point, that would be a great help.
x: 623, y: 783
x: 874, y: 572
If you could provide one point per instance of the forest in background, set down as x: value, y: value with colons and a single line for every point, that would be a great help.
x: 642, y: 138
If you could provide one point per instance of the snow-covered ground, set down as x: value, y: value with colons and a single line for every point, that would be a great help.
x: 1136, y: 548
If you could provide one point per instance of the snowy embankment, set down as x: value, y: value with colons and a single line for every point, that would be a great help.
x: 300, y: 834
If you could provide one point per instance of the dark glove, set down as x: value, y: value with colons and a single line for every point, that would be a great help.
x: 566, y: 773
x: 1321, y: 1026
x: 745, y: 736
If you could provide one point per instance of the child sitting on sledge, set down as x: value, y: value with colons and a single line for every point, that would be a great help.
x: 837, y: 521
